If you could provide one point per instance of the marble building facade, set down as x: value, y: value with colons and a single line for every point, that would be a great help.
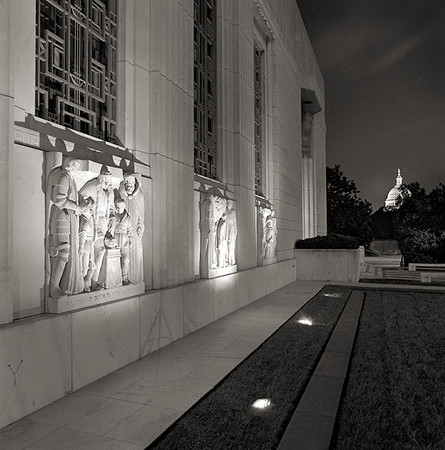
x: 227, y: 150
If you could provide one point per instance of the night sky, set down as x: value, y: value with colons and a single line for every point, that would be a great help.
x: 383, y: 64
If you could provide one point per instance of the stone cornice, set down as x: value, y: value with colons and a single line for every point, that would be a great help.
x: 265, y: 19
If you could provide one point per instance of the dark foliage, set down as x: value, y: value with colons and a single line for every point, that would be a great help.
x: 347, y: 214
x: 331, y: 241
x: 384, y: 224
x: 421, y: 229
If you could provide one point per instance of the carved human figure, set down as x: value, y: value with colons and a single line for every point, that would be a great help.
x: 86, y: 243
x: 213, y: 227
x: 270, y: 236
x: 121, y: 229
x: 63, y: 239
x: 207, y: 229
x: 130, y: 191
x: 232, y: 231
x: 100, y: 190
x: 261, y: 228
x: 222, y: 241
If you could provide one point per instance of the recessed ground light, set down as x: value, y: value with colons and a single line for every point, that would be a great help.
x: 305, y: 321
x: 262, y: 403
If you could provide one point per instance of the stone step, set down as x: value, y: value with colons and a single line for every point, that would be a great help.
x: 398, y: 273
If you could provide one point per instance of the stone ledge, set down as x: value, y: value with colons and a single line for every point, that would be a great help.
x: 313, y: 421
x: 79, y: 301
x: 268, y: 261
x: 221, y: 271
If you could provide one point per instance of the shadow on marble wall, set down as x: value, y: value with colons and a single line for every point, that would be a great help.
x: 52, y: 138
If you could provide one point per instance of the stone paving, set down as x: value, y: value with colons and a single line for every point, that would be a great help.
x: 129, y: 408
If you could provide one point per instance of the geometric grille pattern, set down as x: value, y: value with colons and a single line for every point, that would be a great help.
x: 205, y: 92
x: 258, y: 117
x: 76, y: 61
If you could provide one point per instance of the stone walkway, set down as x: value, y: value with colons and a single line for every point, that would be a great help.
x: 129, y: 408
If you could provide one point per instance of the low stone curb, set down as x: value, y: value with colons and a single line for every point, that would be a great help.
x: 312, y: 424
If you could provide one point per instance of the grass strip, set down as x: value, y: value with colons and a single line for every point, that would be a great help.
x: 395, y: 392
x: 279, y: 369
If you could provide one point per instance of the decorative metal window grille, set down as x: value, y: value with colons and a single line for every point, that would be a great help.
x: 205, y: 87
x: 258, y: 117
x: 76, y: 43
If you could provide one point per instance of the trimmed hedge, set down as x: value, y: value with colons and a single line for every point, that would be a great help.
x: 329, y: 242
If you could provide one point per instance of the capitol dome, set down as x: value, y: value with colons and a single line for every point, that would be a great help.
x: 394, y: 193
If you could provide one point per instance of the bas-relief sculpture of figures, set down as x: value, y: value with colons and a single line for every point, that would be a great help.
x: 121, y: 230
x: 86, y: 243
x: 92, y: 229
x: 131, y: 192
x: 99, y: 189
x: 231, y: 232
x: 267, y: 235
x: 218, y: 233
x: 63, y: 239
x: 270, y: 235
x: 222, y: 241
x: 208, y: 227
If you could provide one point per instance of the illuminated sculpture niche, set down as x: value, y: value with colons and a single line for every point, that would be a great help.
x: 94, y: 236
x: 267, y: 235
x: 218, y: 235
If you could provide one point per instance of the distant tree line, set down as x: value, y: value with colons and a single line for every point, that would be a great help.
x: 347, y: 213
x: 420, y: 224
x: 417, y: 223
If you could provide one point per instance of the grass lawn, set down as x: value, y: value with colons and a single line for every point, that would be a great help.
x: 278, y: 370
x: 395, y: 392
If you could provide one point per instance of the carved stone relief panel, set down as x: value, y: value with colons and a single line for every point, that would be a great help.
x: 95, y: 230
x: 218, y: 230
x: 267, y: 235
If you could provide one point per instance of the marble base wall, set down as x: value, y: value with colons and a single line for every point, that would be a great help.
x: 36, y: 364
x: 328, y: 265
x: 49, y: 356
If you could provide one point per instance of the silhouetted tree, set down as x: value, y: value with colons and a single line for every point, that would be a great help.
x: 347, y: 213
x: 421, y: 230
x: 384, y: 223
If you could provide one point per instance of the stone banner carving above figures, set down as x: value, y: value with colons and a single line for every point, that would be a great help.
x: 267, y: 235
x: 218, y: 235
x: 94, y: 232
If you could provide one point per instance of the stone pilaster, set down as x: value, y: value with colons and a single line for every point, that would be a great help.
x: 6, y: 147
x: 235, y: 119
x: 170, y: 102
x: 23, y: 23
